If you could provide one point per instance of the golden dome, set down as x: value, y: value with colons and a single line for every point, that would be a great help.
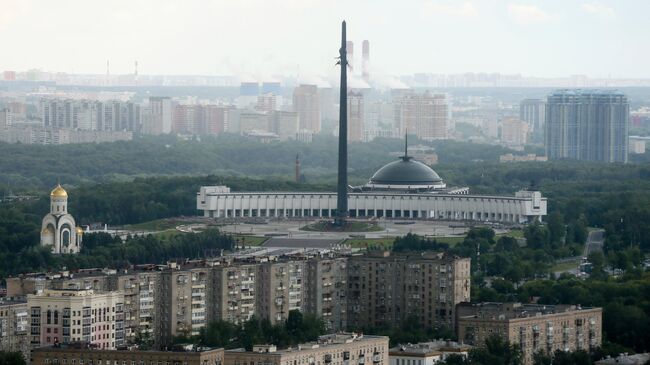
x: 80, y: 230
x: 59, y: 192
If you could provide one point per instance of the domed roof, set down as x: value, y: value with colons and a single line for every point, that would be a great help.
x: 405, y: 171
x: 59, y: 192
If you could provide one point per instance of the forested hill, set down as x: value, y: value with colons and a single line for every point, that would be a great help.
x: 38, y: 167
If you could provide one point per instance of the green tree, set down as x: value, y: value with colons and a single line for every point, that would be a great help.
x: 556, y: 227
x: 537, y: 236
x: 496, y: 352
x: 11, y: 358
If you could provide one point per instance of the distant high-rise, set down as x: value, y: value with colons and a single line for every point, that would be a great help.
x: 95, y: 115
x: 306, y: 103
x: 587, y: 125
x: 266, y: 103
x: 284, y: 124
x: 514, y: 132
x: 365, y: 73
x: 532, y: 112
x: 425, y: 114
x: 216, y: 118
x: 160, y: 119
x: 188, y: 119
x: 355, y: 116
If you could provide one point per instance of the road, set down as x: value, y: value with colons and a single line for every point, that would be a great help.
x: 595, y: 242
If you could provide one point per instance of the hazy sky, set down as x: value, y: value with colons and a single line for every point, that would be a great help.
x: 263, y: 37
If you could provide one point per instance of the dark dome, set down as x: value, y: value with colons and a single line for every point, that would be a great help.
x: 405, y: 171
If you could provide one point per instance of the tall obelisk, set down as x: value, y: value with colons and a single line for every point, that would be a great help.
x: 342, y: 187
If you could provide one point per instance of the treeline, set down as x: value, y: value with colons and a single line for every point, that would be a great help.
x: 140, y: 200
x: 298, y: 328
x: 103, y: 250
x: 498, y: 352
x: 505, y: 256
x: 37, y: 167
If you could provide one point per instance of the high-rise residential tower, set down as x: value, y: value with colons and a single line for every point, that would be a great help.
x: 532, y: 111
x: 306, y: 104
x: 425, y: 114
x: 355, y: 117
x: 587, y: 125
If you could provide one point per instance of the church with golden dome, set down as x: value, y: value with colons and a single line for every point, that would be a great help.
x: 59, y: 229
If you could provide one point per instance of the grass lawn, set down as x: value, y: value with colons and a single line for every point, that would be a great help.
x: 159, y: 224
x: 384, y: 242
x: 451, y: 241
x: 387, y: 242
x: 155, y: 225
x: 250, y: 240
x: 168, y: 233
x: 515, y: 233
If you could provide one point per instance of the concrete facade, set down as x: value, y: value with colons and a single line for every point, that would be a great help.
x: 525, y: 206
x: 14, y: 327
x: 335, y: 349
x: 389, y: 289
x: 534, y: 328
x: 78, y: 355
x: 62, y: 316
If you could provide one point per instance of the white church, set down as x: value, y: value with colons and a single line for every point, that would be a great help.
x: 59, y: 229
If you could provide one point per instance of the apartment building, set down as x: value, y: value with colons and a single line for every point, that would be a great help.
x: 142, y: 294
x: 234, y: 292
x: 183, y: 307
x: 534, y: 327
x: 67, y: 315
x: 386, y: 288
x: 81, y: 353
x: 158, y: 302
x: 326, y: 294
x: 425, y: 115
x: 335, y: 349
x: 14, y: 326
x: 93, y: 115
x: 281, y: 289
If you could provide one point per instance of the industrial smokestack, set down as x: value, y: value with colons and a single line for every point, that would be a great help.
x: 342, y: 188
x: 365, y: 73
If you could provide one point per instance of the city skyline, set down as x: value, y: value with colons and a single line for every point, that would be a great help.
x: 255, y: 39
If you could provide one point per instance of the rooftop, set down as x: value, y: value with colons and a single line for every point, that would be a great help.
x: 85, y: 346
x: 323, y: 342
x: 502, y: 311
x: 429, y: 348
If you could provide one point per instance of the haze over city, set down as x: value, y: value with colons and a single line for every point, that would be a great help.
x: 307, y: 182
x: 257, y: 38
